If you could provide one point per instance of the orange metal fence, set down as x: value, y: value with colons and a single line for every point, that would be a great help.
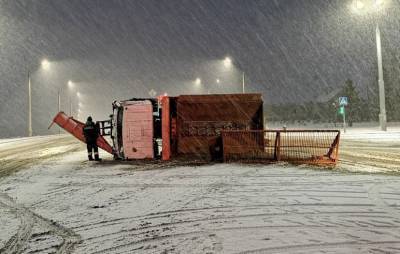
x: 319, y: 147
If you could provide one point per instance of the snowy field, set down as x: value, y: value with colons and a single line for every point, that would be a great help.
x: 64, y: 204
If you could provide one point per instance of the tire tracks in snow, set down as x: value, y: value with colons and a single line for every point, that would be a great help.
x: 321, y: 246
x: 138, y: 232
x: 29, y: 219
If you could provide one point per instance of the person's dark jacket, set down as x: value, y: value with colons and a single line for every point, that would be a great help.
x: 90, y: 132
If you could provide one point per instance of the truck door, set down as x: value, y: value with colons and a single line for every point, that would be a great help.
x: 138, y: 130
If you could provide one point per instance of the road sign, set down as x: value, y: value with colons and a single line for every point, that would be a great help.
x: 341, y: 110
x: 152, y: 93
x: 343, y: 101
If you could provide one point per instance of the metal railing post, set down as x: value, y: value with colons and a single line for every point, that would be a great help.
x: 278, y: 146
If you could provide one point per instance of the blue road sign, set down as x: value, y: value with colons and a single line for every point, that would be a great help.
x: 343, y: 101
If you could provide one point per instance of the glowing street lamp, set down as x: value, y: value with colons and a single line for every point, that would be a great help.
x: 227, y: 62
x: 70, y: 84
x: 359, y: 5
x: 197, y: 81
x: 45, y: 64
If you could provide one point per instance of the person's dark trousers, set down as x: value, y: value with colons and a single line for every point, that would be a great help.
x: 93, y: 147
x: 96, y: 152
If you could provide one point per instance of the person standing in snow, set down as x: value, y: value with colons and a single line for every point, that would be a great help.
x: 91, y: 133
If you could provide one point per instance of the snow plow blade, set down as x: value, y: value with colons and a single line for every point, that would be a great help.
x: 316, y: 147
x: 75, y: 127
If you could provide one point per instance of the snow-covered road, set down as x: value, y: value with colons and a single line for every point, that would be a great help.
x: 19, y: 153
x: 366, y: 150
x: 66, y: 204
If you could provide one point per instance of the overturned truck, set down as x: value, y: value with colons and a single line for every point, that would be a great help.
x: 222, y: 127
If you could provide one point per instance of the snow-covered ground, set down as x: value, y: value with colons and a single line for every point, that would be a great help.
x: 67, y: 204
x: 372, y: 134
x: 370, y: 150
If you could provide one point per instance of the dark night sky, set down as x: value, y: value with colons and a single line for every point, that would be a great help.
x: 290, y: 50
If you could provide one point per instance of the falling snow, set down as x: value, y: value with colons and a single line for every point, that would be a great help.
x: 290, y: 51
x: 299, y: 54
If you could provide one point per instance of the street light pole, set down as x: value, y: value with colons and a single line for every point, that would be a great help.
x: 45, y: 64
x: 59, y: 99
x: 70, y: 105
x: 29, y: 106
x: 70, y: 92
x: 243, y: 82
x: 59, y: 107
x: 381, y: 83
